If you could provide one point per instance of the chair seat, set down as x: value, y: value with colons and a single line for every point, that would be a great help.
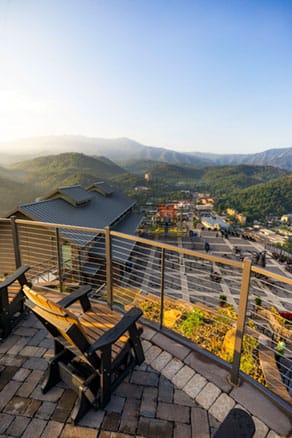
x: 95, y: 321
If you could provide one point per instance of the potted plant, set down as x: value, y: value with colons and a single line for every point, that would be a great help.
x: 222, y: 300
x: 258, y: 303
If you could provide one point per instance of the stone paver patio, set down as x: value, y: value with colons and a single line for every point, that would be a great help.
x: 174, y: 394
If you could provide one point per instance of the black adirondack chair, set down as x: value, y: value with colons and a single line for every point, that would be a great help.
x: 12, y: 300
x: 95, y: 348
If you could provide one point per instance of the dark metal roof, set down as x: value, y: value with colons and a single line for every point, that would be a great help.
x: 100, y: 212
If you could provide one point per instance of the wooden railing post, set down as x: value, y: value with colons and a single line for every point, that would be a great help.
x: 162, y: 277
x: 246, y: 273
x: 108, y: 260
x: 60, y: 259
x: 15, y: 237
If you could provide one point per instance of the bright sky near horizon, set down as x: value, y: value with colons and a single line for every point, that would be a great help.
x: 191, y: 75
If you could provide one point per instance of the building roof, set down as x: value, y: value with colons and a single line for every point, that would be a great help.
x: 98, y: 206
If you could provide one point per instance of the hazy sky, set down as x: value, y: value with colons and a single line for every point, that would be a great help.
x: 212, y: 76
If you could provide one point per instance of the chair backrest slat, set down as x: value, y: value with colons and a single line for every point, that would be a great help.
x: 62, y: 319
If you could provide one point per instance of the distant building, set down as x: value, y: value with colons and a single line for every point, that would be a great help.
x: 238, y: 216
x: 287, y: 218
x: 214, y: 223
x: 148, y: 176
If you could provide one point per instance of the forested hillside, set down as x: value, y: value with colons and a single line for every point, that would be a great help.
x: 66, y: 169
x: 273, y: 198
x: 13, y: 193
x: 217, y: 180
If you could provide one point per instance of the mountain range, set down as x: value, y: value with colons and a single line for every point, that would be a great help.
x: 125, y: 152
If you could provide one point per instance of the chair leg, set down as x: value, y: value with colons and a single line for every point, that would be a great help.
x: 137, y: 346
x: 105, y: 377
x: 52, y: 375
x: 82, y: 406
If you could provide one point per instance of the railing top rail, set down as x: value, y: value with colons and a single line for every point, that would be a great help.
x: 273, y: 275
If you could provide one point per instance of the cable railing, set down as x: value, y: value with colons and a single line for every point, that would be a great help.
x: 239, y: 312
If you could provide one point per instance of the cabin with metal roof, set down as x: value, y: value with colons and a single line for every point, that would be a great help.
x: 97, y: 206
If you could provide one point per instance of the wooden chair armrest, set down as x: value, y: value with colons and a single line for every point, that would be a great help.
x: 113, y: 334
x: 80, y: 294
x: 15, y: 276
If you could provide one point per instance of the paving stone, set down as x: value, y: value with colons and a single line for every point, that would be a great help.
x: 142, y: 367
x: 26, y: 389
x: 111, y: 421
x: 200, y: 423
x: 209, y: 369
x: 273, y: 434
x: 161, y: 360
x: 25, y: 331
x: 129, y: 419
x: 148, y: 333
x: 183, y: 376
x: 175, y: 348
x: 35, y: 376
x: 146, y: 345
x: 52, y: 429
x: 18, y: 426
x: 145, y: 378
x: 165, y: 390
x: 18, y: 346
x: 46, y: 343
x: 12, y: 361
x: 8, y: 392
x: 45, y: 411
x: 70, y: 431
x: 35, y: 363
x: 152, y: 353
x: 221, y: 407
x: 120, y: 435
x: 172, y: 412
x: 129, y: 390
x: 38, y: 337
x: 64, y: 406
x: 208, y: 395
x: 261, y: 429
x: 52, y: 395
x: 182, y: 431
x: 22, y: 406
x: 195, y: 385
x: 154, y: 428
x: 8, y: 343
x: 92, y: 419
x: 35, y: 428
x: 21, y: 374
x: 181, y: 398
x: 5, y: 421
x: 116, y: 404
x: 6, y: 375
x: 32, y: 351
x: 172, y: 368
x: 105, y: 434
x: 149, y: 402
